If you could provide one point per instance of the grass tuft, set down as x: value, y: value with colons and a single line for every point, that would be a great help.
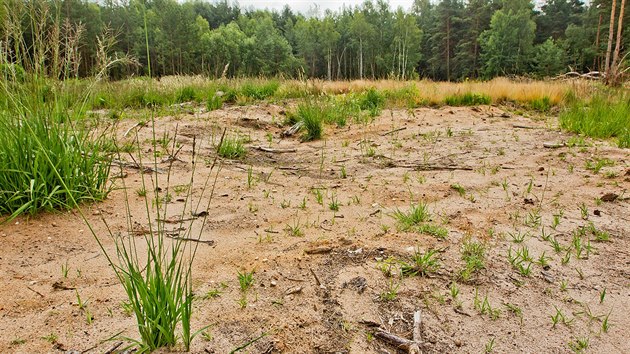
x: 416, y: 215
x: 467, y: 99
x: 602, y: 117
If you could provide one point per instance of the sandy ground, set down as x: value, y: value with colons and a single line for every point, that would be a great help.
x: 511, y: 185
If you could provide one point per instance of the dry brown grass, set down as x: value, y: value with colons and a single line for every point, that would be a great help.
x: 499, y: 89
x: 398, y: 93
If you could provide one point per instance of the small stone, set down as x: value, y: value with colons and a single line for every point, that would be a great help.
x: 274, y: 283
x: 54, y: 224
x: 458, y: 342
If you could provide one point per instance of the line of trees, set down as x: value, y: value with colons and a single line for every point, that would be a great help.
x: 445, y: 40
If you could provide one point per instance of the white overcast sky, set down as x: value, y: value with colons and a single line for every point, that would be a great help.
x: 304, y: 6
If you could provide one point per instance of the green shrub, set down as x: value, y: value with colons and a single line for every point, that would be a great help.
x: 602, y: 117
x: 214, y: 101
x: 232, y: 148
x: 12, y: 72
x: 259, y: 91
x: 542, y: 105
x: 186, y: 94
x: 371, y: 101
x: 47, y: 161
x: 312, y: 116
x: 467, y: 99
x: 152, y: 98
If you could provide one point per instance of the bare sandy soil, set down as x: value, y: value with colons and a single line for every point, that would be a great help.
x: 505, y: 173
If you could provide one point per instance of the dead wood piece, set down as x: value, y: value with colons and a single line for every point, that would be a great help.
x: 207, y: 242
x: 592, y: 75
x: 139, y: 124
x: 319, y: 283
x: 143, y: 169
x: 428, y: 167
x: 175, y: 220
x: 408, y: 346
x: 609, y: 197
x: 417, y: 324
x: 275, y: 151
x: 461, y: 312
x: 35, y: 291
x: 393, y: 131
x: 318, y: 250
x: 293, y: 290
x: 112, y: 349
x: 523, y: 126
x: 294, y: 129
x: 552, y: 145
x: 61, y: 286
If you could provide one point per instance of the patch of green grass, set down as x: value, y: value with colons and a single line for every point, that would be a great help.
x: 467, y: 99
x: 416, y: 215
x: 214, y: 102
x: 48, y: 157
x: 186, y: 94
x: 542, y: 105
x: 459, y: 188
x: 599, y: 163
x: 421, y: 264
x: 312, y: 117
x: 232, y: 148
x: 371, y: 101
x: 391, y: 292
x: 602, y: 117
x: 474, y: 255
x: 433, y: 230
x: 245, y: 280
x: 259, y: 90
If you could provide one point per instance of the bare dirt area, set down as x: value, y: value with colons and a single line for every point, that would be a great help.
x: 551, y: 211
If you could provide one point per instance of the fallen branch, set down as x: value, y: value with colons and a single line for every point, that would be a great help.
x: 551, y: 145
x: 407, y: 345
x: 429, y: 167
x: 319, y: 283
x: 318, y: 250
x: 275, y: 151
x: 393, y: 131
x: 139, y: 124
x: 207, y: 242
x: 522, y: 126
x: 294, y: 129
x: 143, y: 169
x: 35, y: 291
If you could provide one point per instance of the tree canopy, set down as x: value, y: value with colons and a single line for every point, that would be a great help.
x: 441, y: 40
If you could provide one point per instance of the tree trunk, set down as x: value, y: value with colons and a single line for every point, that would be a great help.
x: 613, y: 68
x: 361, y: 59
x: 597, y: 62
x: 448, y: 49
x: 611, y: 32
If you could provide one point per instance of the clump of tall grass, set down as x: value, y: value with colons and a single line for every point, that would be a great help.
x: 467, y: 99
x: 42, y: 149
x: 259, y: 90
x: 231, y: 147
x: 601, y: 117
x: 49, y: 158
x: 371, y: 101
x: 187, y: 94
x: 542, y: 105
x: 312, y: 117
x: 159, y: 283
